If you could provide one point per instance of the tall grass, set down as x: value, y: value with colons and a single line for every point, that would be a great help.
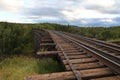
x: 114, y: 40
x: 48, y: 65
x: 16, y: 68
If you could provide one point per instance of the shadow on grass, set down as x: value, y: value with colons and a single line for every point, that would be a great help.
x: 48, y: 65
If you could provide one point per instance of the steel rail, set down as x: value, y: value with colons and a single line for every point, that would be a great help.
x: 117, y: 50
x: 75, y: 72
x: 109, y: 60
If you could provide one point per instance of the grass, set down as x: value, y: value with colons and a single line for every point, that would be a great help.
x: 42, y: 49
x: 114, y: 40
x: 48, y: 65
x: 16, y: 68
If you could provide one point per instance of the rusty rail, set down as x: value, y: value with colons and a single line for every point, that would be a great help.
x: 111, y: 47
x: 76, y: 73
x: 110, y: 60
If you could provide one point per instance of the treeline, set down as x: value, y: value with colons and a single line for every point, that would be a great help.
x: 14, y: 38
x: 102, y: 33
x: 18, y: 38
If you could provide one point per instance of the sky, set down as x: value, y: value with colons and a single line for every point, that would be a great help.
x: 73, y: 12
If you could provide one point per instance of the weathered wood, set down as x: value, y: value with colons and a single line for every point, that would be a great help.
x: 66, y: 51
x: 91, y: 73
x: 69, y: 75
x: 108, y: 78
x: 46, y: 41
x: 84, y: 60
x: 70, y: 49
x: 75, y: 57
x: 73, y: 53
x: 48, y: 52
x: 52, y: 76
x: 80, y: 60
x: 85, y: 66
x: 47, y: 44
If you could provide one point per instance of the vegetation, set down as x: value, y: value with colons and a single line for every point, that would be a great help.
x: 48, y: 65
x: 17, y: 38
x: 114, y: 40
x: 16, y: 68
x: 103, y: 33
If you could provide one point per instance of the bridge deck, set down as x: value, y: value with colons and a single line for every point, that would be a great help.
x: 78, y: 63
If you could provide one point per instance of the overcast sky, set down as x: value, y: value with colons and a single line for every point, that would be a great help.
x: 74, y: 12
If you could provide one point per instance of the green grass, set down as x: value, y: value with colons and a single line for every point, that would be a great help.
x: 16, y: 68
x: 114, y: 40
x: 48, y: 65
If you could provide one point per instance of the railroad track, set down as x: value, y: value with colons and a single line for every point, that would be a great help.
x: 111, y: 48
x: 84, y: 59
x: 109, y: 51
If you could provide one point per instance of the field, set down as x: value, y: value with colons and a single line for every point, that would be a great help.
x: 16, y: 68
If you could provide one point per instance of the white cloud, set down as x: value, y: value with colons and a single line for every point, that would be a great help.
x: 64, y: 11
x: 107, y: 20
x: 102, y: 3
x: 77, y: 13
x: 11, y: 5
x: 84, y: 21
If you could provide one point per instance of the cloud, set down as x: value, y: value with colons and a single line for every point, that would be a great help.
x: 11, y: 5
x: 43, y: 12
x: 105, y: 7
x: 75, y: 12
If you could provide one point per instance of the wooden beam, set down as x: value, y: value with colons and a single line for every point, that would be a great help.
x: 48, y: 52
x: 92, y: 73
x: 47, y: 44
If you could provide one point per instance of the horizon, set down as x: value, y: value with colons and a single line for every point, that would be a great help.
x: 73, y: 12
